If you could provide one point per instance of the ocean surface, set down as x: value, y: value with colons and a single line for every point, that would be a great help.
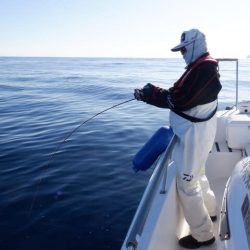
x: 82, y: 193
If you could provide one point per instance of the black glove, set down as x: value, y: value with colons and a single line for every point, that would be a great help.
x: 138, y: 94
x: 144, y: 94
x: 152, y: 95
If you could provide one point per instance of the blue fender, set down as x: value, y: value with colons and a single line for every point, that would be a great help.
x: 151, y: 150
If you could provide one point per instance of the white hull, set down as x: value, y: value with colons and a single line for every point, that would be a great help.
x: 160, y: 227
x: 165, y: 222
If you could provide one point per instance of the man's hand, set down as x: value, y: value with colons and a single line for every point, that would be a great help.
x: 146, y: 93
x: 153, y: 95
x: 138, y: 94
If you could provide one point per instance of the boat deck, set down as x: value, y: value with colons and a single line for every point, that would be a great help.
x: 218, y: 186
x: 158, y: 233
x: 159, y: 221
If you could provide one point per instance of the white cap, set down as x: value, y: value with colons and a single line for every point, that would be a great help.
x: 188, y: 37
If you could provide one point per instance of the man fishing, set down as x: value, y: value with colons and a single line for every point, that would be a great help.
x: 193, y: 103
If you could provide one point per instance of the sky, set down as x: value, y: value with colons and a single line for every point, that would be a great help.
x: 121, y: 28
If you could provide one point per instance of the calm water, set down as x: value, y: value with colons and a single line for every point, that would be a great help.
x: 87, y: 196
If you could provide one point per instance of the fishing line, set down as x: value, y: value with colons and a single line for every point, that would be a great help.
x: 66, y: 138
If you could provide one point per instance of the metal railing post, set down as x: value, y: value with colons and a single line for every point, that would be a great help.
x: 237, y: 75
x: 147, y: 199
x: 237, y: 79
x: 164, y: 179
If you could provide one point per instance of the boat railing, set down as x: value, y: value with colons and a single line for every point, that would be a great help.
x: 146, y: 202
x: 237, y: 75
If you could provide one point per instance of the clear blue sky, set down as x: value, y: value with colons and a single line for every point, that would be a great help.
x: 121, y: 28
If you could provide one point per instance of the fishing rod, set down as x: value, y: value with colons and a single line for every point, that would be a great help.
x: 66, y: 138
x: 84, y: 122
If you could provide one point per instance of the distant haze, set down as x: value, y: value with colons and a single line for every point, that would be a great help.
x: 112, y: 28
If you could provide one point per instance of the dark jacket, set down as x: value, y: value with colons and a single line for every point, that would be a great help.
x: 198, y: 85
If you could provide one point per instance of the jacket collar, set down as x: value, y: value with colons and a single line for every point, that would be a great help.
x: 191, y: 64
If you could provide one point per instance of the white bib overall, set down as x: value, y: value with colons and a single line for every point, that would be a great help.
x: 190, y: 153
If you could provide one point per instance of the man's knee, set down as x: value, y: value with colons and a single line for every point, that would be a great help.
x: 187, y: 186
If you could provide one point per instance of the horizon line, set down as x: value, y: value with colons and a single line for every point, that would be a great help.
x: 106, y: 57
x: 90, y: 57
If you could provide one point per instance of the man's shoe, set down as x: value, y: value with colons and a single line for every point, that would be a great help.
x: 191, y: 243
x: 213, y: 218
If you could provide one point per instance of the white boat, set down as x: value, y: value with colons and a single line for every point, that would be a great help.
x: 159, y: 221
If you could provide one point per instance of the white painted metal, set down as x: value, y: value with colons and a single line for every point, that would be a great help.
x: 165, y: 222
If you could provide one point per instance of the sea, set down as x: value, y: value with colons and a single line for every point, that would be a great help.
x: 67, y: 146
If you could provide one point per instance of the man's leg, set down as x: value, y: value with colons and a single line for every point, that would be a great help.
x: 208, y: 195
x: 194, y: 209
